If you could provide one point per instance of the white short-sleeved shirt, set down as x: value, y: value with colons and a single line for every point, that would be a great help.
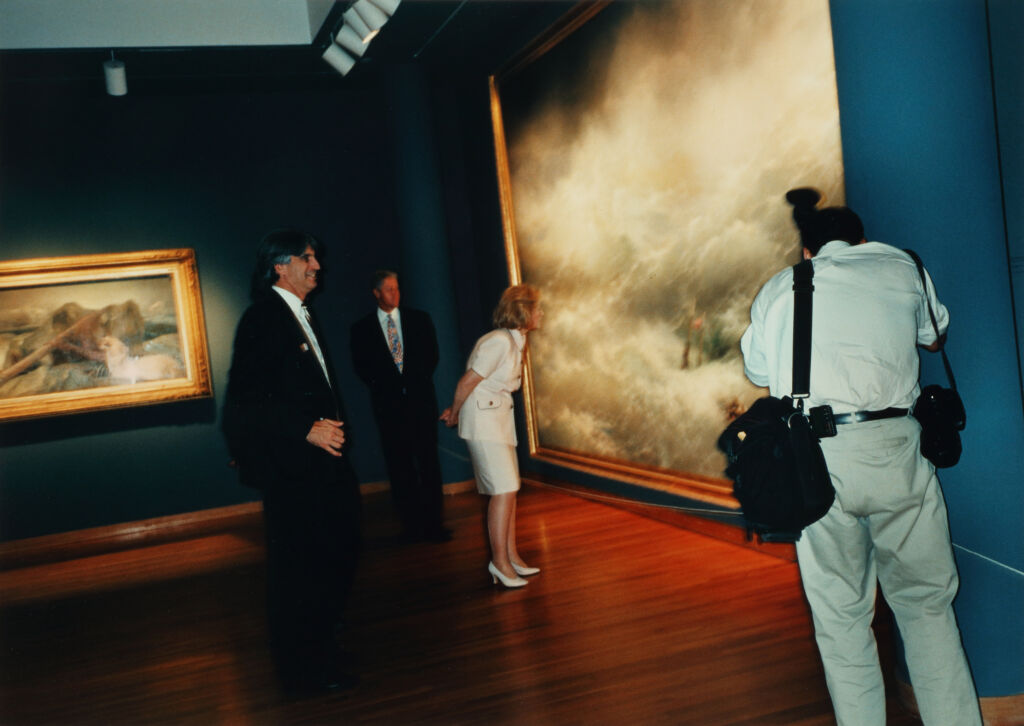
x: 869, y: 312
x: 486, y: 415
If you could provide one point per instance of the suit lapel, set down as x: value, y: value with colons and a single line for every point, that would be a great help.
x: 302, y: 342
x: 320, y: 340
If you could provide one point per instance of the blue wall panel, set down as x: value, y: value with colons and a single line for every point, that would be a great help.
x: 923, y: 170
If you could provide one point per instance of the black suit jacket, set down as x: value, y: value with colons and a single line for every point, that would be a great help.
x: 405, y: 395
x: 276, y: 391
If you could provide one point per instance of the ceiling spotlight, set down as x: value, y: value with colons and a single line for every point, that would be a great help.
x: 355, y: 21
x: 350, y: 41
x: 339, y: 59
x: 388, y: 7
x: 370, y: 14
x: 114, y: 75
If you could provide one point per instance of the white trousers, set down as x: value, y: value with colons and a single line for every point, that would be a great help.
x: 889, y: 524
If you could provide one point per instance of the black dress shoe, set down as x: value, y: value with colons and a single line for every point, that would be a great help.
x: 338, y: 682
x: 441, y: 534
x: 320, y: 685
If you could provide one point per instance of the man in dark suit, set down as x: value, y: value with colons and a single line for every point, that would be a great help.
x: 395, y: 354
x: 283, y: 423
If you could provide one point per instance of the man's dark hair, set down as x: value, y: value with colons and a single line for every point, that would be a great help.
x: 819, y: 226
x: 380, y: 276
x: 840, y: 223
x: 277, y: 248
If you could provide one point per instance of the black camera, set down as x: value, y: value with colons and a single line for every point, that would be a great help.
x: 823, y: 423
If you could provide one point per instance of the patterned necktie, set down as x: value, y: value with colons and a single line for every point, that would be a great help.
x: 394, y: 343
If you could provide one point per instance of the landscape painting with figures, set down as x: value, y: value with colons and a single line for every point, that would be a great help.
x: 100, y: 331
x: 70, y: 337
x: 647, y: 151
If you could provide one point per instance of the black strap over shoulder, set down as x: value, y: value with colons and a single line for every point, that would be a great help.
x: 803, y: 292
x: 931, y: 313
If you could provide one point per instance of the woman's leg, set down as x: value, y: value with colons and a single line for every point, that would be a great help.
x: 513, y: 551
x: 499, y: 511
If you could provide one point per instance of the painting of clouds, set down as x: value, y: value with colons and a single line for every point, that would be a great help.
x: 648, y: 156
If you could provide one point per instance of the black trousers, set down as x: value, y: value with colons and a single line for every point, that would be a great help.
x: 312, y: 539
x: 414, y: 470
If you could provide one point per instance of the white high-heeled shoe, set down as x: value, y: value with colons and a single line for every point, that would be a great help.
x: 497, y: 574
x: 524, y: 570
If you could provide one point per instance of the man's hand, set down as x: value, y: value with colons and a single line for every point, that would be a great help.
x: 327, y: 434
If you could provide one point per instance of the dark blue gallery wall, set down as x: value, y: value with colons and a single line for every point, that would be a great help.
x: 84, y: 173
x: 923, y: 168
x: 1006, y: 28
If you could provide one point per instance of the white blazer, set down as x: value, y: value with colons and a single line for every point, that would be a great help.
x: 486, y: 414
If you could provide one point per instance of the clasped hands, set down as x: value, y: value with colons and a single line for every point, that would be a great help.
x: 450, y: 417
x: 327, y: 435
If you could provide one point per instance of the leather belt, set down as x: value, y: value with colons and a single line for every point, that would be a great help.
x: 858, y: 416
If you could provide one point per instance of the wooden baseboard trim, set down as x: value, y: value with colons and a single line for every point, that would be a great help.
x: 146, y: 532
x: 459, y: 487
x: 142, y: 533
x: 995, y: 711
x: 99, y: 540
x: 455, y: 487
x: 684, y: 520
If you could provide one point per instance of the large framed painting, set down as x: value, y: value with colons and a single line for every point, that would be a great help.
x: 94, y: 332
x: 644, y: 150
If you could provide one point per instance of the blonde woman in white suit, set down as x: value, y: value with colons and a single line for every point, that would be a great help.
x: 482, y: 409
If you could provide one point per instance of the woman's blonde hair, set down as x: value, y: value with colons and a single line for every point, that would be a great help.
x: 516, y: 306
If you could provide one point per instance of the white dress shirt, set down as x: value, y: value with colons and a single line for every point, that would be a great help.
x: 869, y: 310
x: 298, y: 310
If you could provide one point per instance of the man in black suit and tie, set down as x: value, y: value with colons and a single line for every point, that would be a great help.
x: 283, y: 423
x: 395, y: 354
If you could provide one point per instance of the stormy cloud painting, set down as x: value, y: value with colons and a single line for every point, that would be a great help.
x: 648, y: 154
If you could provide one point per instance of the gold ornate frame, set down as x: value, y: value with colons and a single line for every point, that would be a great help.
x: 693, y: 486
x: 178, y: 266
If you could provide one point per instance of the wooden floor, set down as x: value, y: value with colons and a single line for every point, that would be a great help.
x: 632, y: 621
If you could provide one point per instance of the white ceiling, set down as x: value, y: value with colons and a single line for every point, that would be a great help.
x: 51, y: 24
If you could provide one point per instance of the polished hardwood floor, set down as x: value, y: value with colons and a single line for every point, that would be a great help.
x: 632, y: 621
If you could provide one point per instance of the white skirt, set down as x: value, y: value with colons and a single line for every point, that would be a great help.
x: 495, y: 466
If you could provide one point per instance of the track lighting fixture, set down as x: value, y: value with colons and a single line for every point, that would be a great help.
x: 339, y: 59
x: 388, y: 7
x: 362, y: 21
x: 114, y: 76
x: 355, y: 21
x: 370, y: 14
x: 350, y: 41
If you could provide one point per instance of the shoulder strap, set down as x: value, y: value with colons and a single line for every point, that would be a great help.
x: 803, y: 292
x: 931, y: 313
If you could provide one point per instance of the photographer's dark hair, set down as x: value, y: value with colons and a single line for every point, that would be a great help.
x: 818, y: 226
x: 277, y: 248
